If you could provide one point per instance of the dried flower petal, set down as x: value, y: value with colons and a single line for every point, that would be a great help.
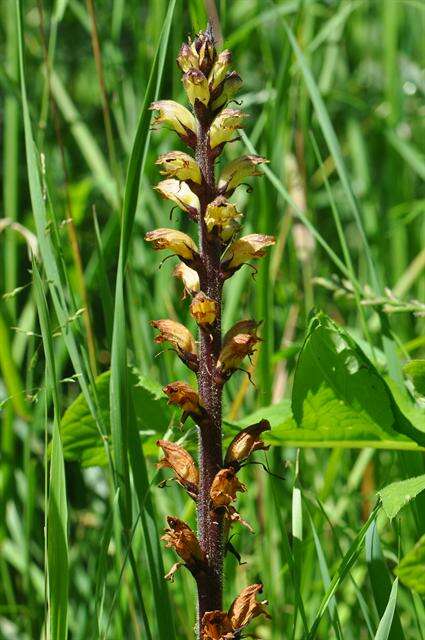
x: 238, y: 343
x: 177, y: 117
x: 223, y: 216
x: 246, y: 442
x: 180, y: 193
x: 182, y: 463
x: 180, y: 537
x: 219, y: 69
x: 236, y: 171
x: 204, y: 309
x: 189, y: 277
x: 224, y: 488
x: 181, y: 339
x: 232, y: 516
x: 182, y: 395
x: 245, y: 249
x: 225, y: 126
x: 245, y: 607
x: 228, y: 88
x: 196, y: 86
x: 216, y: 625
x: 170, y: 575
x: 180, y: 165
x: 176, y: 241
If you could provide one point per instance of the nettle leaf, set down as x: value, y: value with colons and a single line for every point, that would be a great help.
x: 80, y: 435
x: 411, y: 569
x: 415, y: 370
x: 396, y: 495
x: 339, y: 399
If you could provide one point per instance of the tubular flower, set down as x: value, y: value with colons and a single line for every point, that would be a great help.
x: 189, y: 277
x: 220, y: 68
x: 227, y: 89
x: 180, y: 193
x: 183, y: 465
x: 245, y: 249
x: 246, y: 442
x: 224, y: 488
x: 182, y: 395
x: 177, y: 117
x: 236, y: 171
x: 176, y: 241
x: 223, y: 216
x: 225, y: 126
x: 238, y: 343
x: 181, y: 339
x: 180, y: 537
x: 181, y: 166
x: 204, y: 310
x: 203, y: 45
x: 188, y: 58
x: 196, y: 87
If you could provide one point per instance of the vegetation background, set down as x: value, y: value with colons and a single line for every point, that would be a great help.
x: 335, y: 92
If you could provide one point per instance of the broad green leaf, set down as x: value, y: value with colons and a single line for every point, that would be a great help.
x: 396, y: 495
x: 415, y: 370
x: 411, y: 569
x: 80, y: 436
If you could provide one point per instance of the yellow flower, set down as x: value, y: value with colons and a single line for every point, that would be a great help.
x: 238, y: 343
x: 183, y: 465
x: 180, y: 193
x: 203, y: 45
x: 227, y: 89
x: 181, y: 339
x: 189, y: 277
x: 176, y: 241
x: 245, y: 249
x: 180, y: 165
x: 177, y: 117
x: 187, y: 58
x: 224, y: 488
x: 225, y: 126
x: 236, y: 171
x: 219, y: 69
x: 223, y: 216
x: 204, y: 310
x: 246, y: 442
x: 196, y: 87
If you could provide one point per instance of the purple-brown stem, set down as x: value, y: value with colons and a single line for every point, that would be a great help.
x: 210, y: 525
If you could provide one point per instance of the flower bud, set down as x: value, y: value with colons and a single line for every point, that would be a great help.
x: 180, y: 537
x: 246, y: 442
x: 223, y: 216
x: 204, y: 46
x: 238, y: 343
x: 219, y: 69
x: 180, y: 165
x: 216, y: 625
x: 245, y: 607
x: 196, y: 87
x: 245, y: 249
x: 182, y: 395
x: 183, y: 465
x: 180, y: 193
x: 235, y: 172
x: 224, y: 488
x: 176, y: 241
x: 228, y: 88
x: 204, y: 309
x: 225, y: 126
x: 180, y: 338
x: 189, y: 277
x: 187, y: 58
x: 178, y: 117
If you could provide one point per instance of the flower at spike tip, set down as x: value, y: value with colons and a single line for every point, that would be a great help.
x: 225, y: 126
x: 189, y: 277
x: 180, y: 338
x: 180, y: 165
x: 236, y: 171
x: 176, y: 241
x: 204, y: 310
x: 238, y: 343
x: 184, y: 396
x: 224, y: 488
x: 219, y: 625
x: 246, y: 442
x: 245, y: 249
x: 180, y: 537
x: 180, y: 193
x: 183, y: 465
x: 177, y: 117
x: 222, y: 216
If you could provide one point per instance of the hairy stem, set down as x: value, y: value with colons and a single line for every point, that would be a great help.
x: 210, y: 448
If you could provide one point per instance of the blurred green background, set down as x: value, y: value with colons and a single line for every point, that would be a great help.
x: 339, y: 111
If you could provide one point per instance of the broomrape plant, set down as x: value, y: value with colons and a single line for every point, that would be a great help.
x: 190, y: 182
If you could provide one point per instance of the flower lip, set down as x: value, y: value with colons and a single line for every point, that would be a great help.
x: 189, y: 277
x: 176, y: 241
x: 222, y: 216
x: 180, y: 165
x: 180, y: 338
x: 179, y: 192
x: 224, y: 488
x: 177, y: 117
x: 245, y: 249
x: 184, y: 396
x: 236, y: 171
x: 225, y: 126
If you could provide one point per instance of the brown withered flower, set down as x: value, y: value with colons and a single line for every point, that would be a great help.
x: 180, y: 338
x: 182, y: 395
x: 180, y: 537
x: 224, y: 488
x: 216, y: 625
x: 246, y: 442
x: 183, y: 465
x: 238, y: 343
x: 204, y: 310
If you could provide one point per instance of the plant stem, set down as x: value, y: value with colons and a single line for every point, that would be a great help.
x: 210, y: 524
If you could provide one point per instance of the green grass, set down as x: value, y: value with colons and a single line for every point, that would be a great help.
x: 335, y: 94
